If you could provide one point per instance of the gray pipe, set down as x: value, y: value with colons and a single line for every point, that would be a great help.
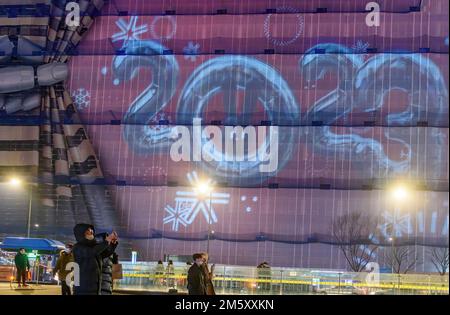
x: 22, y: 78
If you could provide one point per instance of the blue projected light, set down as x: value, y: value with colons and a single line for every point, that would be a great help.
x: 363, y: 86
x: 149, y: 54
x: 413, y: 74
x: 337, y: 59
x: 229, y: 75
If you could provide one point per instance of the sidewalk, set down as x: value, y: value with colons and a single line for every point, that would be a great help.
x: 33, y: 289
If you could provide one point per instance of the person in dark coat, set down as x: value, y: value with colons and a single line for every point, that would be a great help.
x: 107, y: 266
x: 22, y: 265
x: 88, y: 253
x: 196, y: 281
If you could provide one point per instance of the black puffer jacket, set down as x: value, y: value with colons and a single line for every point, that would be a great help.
x: 107, y: 280
x: 106, y: 286
x: 89, y: 256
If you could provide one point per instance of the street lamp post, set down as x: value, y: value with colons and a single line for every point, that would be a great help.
x: 400, y: 194
x: 209, y: 223
x: 205, y: 189
x: 30, y: 203
x: 392, y: 240
x: 17, y: 182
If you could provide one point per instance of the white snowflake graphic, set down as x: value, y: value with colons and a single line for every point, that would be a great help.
x: 176, y: 216
x: 129, y: 31
x: 81, y: 98
x: 191, y: 51
x: 189, y: 204
x: 395, y: 225
x: 360, y: 47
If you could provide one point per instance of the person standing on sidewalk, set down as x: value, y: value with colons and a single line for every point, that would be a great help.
x: 107, y: 265
x: 89, y: 255
x: 65, y: 257
x: 208, y: 275
x: 22, y: 265
x: 196, y: 280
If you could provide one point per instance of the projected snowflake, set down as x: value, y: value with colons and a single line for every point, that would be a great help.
x: 395, y: 225
x: 129, y: 31
x: 176, y: 216
x: 81, y: 98
x: 191, y: 51
x: 189, y: 204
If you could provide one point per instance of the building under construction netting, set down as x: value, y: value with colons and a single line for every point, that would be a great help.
x: 259, y: 130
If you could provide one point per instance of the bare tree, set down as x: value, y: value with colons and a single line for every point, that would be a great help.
x: 402, y: 259
x: 439, y: 258
x: 353, y: 234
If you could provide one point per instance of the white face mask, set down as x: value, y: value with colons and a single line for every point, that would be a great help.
x: 67, y: 250
x: 90, y: 237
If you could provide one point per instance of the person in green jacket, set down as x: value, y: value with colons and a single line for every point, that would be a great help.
x: 22, y: 266
x: 65, y: 257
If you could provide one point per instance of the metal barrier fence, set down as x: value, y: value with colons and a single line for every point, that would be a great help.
x: 250, y: 281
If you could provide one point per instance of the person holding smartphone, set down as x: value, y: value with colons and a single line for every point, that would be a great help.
x: 89, y: 253
x: 107, y: 265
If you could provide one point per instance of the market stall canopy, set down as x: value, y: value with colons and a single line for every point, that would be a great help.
x: 42, y: 245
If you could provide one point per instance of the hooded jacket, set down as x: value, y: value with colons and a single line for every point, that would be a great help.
x: 89, y: 254
x: 61, y: 263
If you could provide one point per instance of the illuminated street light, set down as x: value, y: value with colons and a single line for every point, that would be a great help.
x: 205, y: 189
x: 14, y: 181
x: 400, y: 193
